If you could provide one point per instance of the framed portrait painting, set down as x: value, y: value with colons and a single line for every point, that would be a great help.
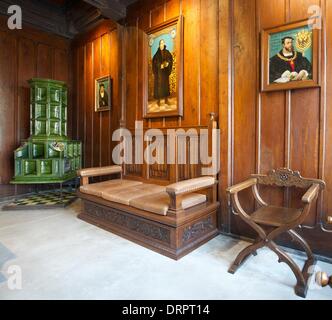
x: 103, y: 91
x: 290, y: 57
x: 163, y: 70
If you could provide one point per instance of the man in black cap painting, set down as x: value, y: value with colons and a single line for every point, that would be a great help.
x: 289, y: 65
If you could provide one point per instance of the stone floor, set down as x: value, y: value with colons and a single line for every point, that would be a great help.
x: 62, y: 257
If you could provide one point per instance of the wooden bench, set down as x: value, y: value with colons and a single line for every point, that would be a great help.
x: 170, y: 209
x: 172, y: 220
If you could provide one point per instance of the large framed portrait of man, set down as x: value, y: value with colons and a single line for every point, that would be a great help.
x: 290, y: 56
x: 163, y: 70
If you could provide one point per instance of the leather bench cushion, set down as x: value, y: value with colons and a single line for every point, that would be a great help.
x: 96, y: 189
x: 131, y: 193
x: 159, y: 203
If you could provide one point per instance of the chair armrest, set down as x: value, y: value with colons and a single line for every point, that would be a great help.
x: 312, y: 192
x: 241, y: 186
x: 190, y: 185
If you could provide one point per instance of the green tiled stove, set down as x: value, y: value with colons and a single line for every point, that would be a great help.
x: 48, y: 156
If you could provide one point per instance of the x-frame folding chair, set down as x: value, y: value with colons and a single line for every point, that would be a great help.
x: 270, y: 221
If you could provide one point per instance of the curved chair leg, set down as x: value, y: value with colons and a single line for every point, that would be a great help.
x: 302, y: 242
x: 245, y: 253
x: 308, y: 268
x: 302, y: 283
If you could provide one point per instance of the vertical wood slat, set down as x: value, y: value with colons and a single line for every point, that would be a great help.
x: 327, y: 104
x: 105, y: 117
x: 88, y: 105
x: 99, y: 54
x: 7, y: 105
x: 96, y: 73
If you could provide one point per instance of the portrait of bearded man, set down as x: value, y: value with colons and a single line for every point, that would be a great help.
x: 289, y: 64
x: 162, y: 64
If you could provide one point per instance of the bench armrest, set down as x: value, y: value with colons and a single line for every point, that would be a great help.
x: 178, y: 190
x: 85, y: 174
x: 241, y: 186
x: 191, y: 185
x: 99, y: 171
x: 311, y: 194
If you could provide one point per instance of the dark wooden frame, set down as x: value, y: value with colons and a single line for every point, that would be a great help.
x: 109, y: 92
x: 178, y: 21
x: 265, y: 70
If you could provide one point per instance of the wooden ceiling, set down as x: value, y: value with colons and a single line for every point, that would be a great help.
x: 68, y: 17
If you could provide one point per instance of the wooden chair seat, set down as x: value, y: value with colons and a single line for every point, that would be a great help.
x: 275, y: 216
x: 270, y: 221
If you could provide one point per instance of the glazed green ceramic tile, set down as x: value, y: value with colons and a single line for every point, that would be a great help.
x: 47, y: 156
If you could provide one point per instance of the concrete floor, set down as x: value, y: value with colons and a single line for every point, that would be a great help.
x: 62, y: 257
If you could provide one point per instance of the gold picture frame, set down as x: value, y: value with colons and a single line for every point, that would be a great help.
x: 163, y: 70
x: 103, y: 94
x: 290, y: 56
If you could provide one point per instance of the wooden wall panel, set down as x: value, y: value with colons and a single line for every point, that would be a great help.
x: 292, y: 128
x: 131, y: 45
x: 298, y: 9
x: 192, y: 66
x: 44, y: 58
x: 244, y: 100
x: 24, y: 54
x: 272, y: 109
x: 89, y: 108
x: 105, y: 125
x: 327, y: 110
x: 96, y: 116
x: 97, y: 54
x: 8, y: 111
x: 27, y: 67
x: 208, y: 60
x: 200, y: 92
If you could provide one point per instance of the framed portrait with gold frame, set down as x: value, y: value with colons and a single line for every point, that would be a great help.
x: 163, y: 70
x: 103, y: 93
x: 290, y: 56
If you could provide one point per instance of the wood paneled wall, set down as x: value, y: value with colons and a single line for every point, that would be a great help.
x: 259, y: 131
x: 24, y: 54
x: 200, y: 93
x: 279, y: 129
x: 96, y: 54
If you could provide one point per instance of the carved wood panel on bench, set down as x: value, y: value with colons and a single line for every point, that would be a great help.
x: 181, y: 169
x: 173, y: 236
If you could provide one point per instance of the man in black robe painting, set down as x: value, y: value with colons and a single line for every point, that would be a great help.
x: 162, y: 64
x: 103, y: 96
x: 289, y: 65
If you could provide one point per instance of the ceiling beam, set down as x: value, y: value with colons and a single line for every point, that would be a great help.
x: 111, y: 9
x: 42, y: 15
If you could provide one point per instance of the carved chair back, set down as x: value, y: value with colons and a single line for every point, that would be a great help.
x: 285, y: 177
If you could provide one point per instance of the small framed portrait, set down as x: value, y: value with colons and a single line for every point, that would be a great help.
x: 103, y: 94
x: 163, y: 70
x: 290, y: 57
